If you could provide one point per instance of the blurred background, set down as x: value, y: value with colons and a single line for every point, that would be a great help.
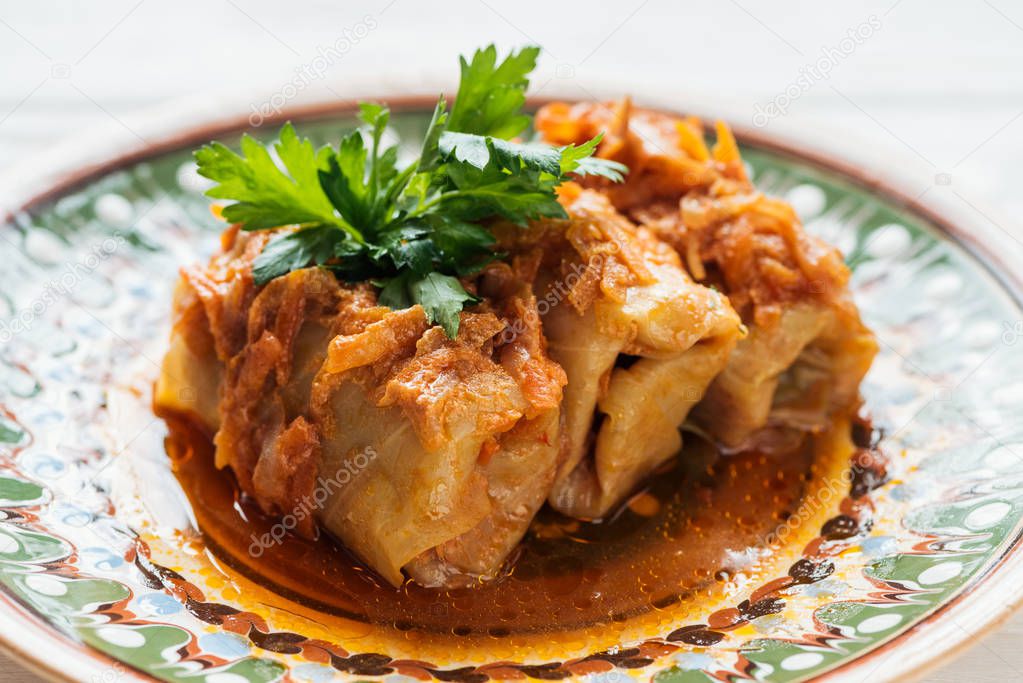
x: 932, y: 90
x: 937, y: 85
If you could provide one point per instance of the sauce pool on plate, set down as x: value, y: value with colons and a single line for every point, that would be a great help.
x: 702, y: 517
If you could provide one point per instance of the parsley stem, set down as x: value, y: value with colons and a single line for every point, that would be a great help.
x: 428, y: 206
x: 343, y: 225
x: 373, y: 177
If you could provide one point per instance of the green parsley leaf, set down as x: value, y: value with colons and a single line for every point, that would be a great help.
x: 465, y: 248
x: 429, y: 156
x: 410, y: 247
x: 442, y: 297
x: 265, y: 195
x: 394, y: 292
x: 295, y: 250
x: 519, y: 196
x: 411, y: 231
x: 580, y: 160
x: 612, y: 170
x: 375, y: 115
x: 484, y: 151
x: 344, y: 182
x: 363, y: 183
x: 480, y: 151
x: 491, y: 96
x: 353, y: 262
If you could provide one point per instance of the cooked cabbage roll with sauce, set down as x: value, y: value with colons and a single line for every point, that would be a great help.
x: 638, y: 339
x: 421, y: 453
x: 465, y: 433
x: 807, y: 349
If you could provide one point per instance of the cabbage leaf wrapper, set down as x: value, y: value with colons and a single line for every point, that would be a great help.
x: 639, y: 341
x: 807, y: 348
x: 434, y: 453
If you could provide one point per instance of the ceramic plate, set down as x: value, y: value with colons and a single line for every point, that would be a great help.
x: 877, y: 573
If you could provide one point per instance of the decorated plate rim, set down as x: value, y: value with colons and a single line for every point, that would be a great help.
x: 993, y: 598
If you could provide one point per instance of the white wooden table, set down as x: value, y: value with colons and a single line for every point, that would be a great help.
x: 939, y: 83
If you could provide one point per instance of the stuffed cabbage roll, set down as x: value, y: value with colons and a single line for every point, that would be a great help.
x: 421, y: 453
x: 638, y: 339
x: 807, y: 349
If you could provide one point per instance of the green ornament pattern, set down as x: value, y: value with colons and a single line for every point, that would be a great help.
x: 87, y: 281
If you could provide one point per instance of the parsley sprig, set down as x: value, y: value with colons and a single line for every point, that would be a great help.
x: 412, y: 231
